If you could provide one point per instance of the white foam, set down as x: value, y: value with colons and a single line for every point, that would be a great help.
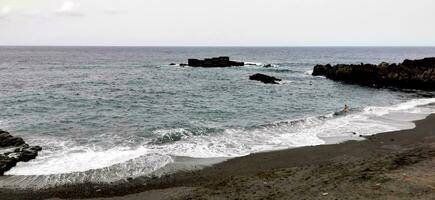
x: 374, y: 120
x: 76, y: 159
x: 171, y: 132
x: 309, y: 72
x: 253, y: 63
x: 143, y: 165
x: 283, y: 82
x: 311, y: 131
x: 409, y: 106
x: 78, y: 163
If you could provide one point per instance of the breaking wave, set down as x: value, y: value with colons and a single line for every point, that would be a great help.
x: 85, y: 164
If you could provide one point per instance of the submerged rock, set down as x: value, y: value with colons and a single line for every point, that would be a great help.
x: 21, y: 153
x: 222, y: 61
x: 411, y: 74
x: 264, y: 78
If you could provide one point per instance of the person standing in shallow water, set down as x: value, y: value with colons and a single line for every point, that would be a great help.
x: 346, y: 109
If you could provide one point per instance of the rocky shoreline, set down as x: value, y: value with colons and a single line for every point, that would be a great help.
x: 410, y: 74
x: 13, y: 150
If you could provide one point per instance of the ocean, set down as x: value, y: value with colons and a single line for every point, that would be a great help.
x: 105, y: 114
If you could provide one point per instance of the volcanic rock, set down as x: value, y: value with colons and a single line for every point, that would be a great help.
x: 222, y: 61
x: 410, y: 74
x: 21, y: 152
x: 264, y: 78
x: 7, y: 140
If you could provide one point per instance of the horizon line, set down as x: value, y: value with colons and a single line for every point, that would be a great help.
x: 225, y: 46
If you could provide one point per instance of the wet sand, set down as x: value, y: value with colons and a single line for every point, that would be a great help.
x: 393, y: 165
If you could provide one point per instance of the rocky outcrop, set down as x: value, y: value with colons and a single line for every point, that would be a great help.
x: 264, y: 78
x: 7, y: 140
x: 411, y: 74
x: 222, y: 61
x: 14, y: 150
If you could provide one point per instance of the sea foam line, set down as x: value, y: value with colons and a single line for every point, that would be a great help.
x: 118, y: 163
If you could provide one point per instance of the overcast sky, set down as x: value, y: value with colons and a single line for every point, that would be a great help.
x: 218, y: 22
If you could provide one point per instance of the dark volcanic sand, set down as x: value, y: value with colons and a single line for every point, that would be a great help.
x: 394, y: 165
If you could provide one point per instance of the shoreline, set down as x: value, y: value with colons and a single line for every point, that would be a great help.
x: 305, y: 172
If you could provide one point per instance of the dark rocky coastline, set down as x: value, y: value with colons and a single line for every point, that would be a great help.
x: 14, y: 150
x: 410, y: 74
x: 222, y: 61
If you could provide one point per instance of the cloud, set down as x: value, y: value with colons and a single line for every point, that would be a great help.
x: 4, y: 12
x: 9, y: 14
x: 69, y: 8
x: 114, y: 12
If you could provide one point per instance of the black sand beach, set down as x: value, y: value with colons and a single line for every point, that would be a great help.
x: 217, y: 100
x: 393, y: 165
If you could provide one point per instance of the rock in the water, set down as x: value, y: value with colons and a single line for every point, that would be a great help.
x: 411, y: 74
x: 172, y: 64
x: 264, y: 78
x: 6, y: 163
x: 22, y: 153
x: 222, y: 61
x: 25, y: 152
x: 268, y: 65
x: 7, y: 140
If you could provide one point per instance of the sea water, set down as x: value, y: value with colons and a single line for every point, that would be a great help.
x: 103, y: 114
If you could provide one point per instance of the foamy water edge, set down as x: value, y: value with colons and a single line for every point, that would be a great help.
x: 122, y: 162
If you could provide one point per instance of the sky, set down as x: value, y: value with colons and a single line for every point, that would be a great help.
x: 217, y: 22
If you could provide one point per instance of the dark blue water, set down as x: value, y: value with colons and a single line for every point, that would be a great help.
x: 125, y: 111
